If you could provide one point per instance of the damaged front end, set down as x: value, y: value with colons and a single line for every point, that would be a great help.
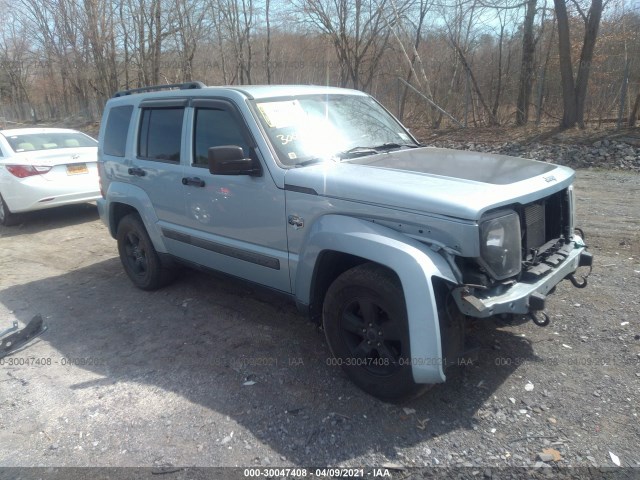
x: 525, y: 252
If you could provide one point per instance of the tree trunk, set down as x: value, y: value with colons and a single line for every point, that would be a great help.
x: 634, y: 111
x: 527, y: 67
x: 586, y: 56
x: 569, y: 116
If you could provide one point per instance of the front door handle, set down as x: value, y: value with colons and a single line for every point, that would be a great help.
x: 193, y: 182
x: 137, y: 171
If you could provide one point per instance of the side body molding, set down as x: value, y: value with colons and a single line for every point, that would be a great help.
x: 414, y: 263
x: 135, y: 197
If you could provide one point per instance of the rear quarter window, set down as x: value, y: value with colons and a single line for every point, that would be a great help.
x: 115, y: 135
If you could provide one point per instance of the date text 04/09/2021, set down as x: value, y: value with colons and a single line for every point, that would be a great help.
x: 317, y: 472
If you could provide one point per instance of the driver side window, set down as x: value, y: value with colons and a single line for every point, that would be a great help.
x: 215, y: 128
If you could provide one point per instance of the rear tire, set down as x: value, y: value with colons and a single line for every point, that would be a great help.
x: 366, y: 326
x: 7, y: 217
x: 138, y: 256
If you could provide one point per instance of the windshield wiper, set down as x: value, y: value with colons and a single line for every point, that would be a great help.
x: 391, y: 146
x: 311, y: 161
x: 362, y: 151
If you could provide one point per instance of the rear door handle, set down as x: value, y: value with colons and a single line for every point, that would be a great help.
x: 137, y: 171
x: 193, y: 182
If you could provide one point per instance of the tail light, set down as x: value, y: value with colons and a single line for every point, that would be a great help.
x: 24, y: 171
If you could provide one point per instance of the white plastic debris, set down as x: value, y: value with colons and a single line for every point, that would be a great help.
x: 567, y: 346
x: 528, y: 387
x: 248, y: 383
x: 624, y: 323
x: 614, y: 459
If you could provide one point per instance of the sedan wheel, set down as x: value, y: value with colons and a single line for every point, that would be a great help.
x: 7, y: 217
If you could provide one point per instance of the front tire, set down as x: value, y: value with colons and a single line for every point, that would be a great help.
x: 138, y: 256
x: 7, y: 217
x: 366, y: 326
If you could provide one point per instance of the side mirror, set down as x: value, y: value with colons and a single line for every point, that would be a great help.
x: 230, y: 160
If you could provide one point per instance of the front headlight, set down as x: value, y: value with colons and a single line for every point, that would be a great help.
x: 500, y: 245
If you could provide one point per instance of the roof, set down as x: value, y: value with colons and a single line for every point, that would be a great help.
x: 250, y: 91
x: 266, y: 91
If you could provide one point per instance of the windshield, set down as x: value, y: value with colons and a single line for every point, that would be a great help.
x: 313, y: 128
x: 48, y: 141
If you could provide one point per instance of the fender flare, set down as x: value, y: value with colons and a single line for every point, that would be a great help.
x: 137, y: 198
x: 414, y: 263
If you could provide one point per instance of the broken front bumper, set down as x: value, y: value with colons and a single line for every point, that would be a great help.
x: 523, y: 297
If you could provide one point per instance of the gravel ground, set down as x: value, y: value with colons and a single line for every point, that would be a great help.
x: 213, y: 372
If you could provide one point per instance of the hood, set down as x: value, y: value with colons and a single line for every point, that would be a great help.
x: 455, y: 183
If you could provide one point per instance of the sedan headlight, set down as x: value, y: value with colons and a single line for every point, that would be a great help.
x: 500, y: 245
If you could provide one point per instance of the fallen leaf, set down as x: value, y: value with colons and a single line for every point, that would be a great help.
x: 409, y: 411
x: 554, y: 453
x: 614, y: 459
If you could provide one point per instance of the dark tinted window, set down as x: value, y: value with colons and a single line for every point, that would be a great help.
x: 215, y: 128
x: 115, y: 135
x: 160, y: 134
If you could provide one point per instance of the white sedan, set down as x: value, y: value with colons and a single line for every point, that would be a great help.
x: 45, y: 167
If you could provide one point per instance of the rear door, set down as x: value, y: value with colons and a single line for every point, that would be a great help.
x: 157, y: 167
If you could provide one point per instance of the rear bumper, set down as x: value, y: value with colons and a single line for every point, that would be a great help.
x: 58, y: 201
x: 525, y: 296
x: 36, y: 193
x: 102, y: 211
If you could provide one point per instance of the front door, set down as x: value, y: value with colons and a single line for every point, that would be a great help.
x: 233, y: 223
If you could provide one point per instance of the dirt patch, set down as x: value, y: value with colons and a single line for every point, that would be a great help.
x: 210, y: 371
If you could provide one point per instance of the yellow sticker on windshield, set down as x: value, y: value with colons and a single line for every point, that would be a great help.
x: 281, y: 114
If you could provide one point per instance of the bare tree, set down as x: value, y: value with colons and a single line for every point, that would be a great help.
x: 574, y: 91
x: 527, y: 65
x: 359, y: 31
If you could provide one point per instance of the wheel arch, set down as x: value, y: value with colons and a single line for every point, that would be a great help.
x: 125, y: 199
x: 336, y: 243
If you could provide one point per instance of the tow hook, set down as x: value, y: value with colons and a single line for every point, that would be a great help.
x: 578, y: 283
x: 586, y: 260
x: 540, y: 318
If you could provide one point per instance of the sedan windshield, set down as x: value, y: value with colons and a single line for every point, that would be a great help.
x: 314, y: 128
x: 48, y: 141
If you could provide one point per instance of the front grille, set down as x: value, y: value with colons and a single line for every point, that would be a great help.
x: 544, y: 221
x: 534, y: 224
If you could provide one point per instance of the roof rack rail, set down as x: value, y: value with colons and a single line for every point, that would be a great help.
x: 153, y: 88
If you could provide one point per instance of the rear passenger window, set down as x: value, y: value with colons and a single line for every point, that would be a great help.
x: 115, y: 135
x: 215, y: 128
x: 161, y: 134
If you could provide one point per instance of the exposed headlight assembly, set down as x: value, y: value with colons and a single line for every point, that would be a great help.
x: 500, y: 244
